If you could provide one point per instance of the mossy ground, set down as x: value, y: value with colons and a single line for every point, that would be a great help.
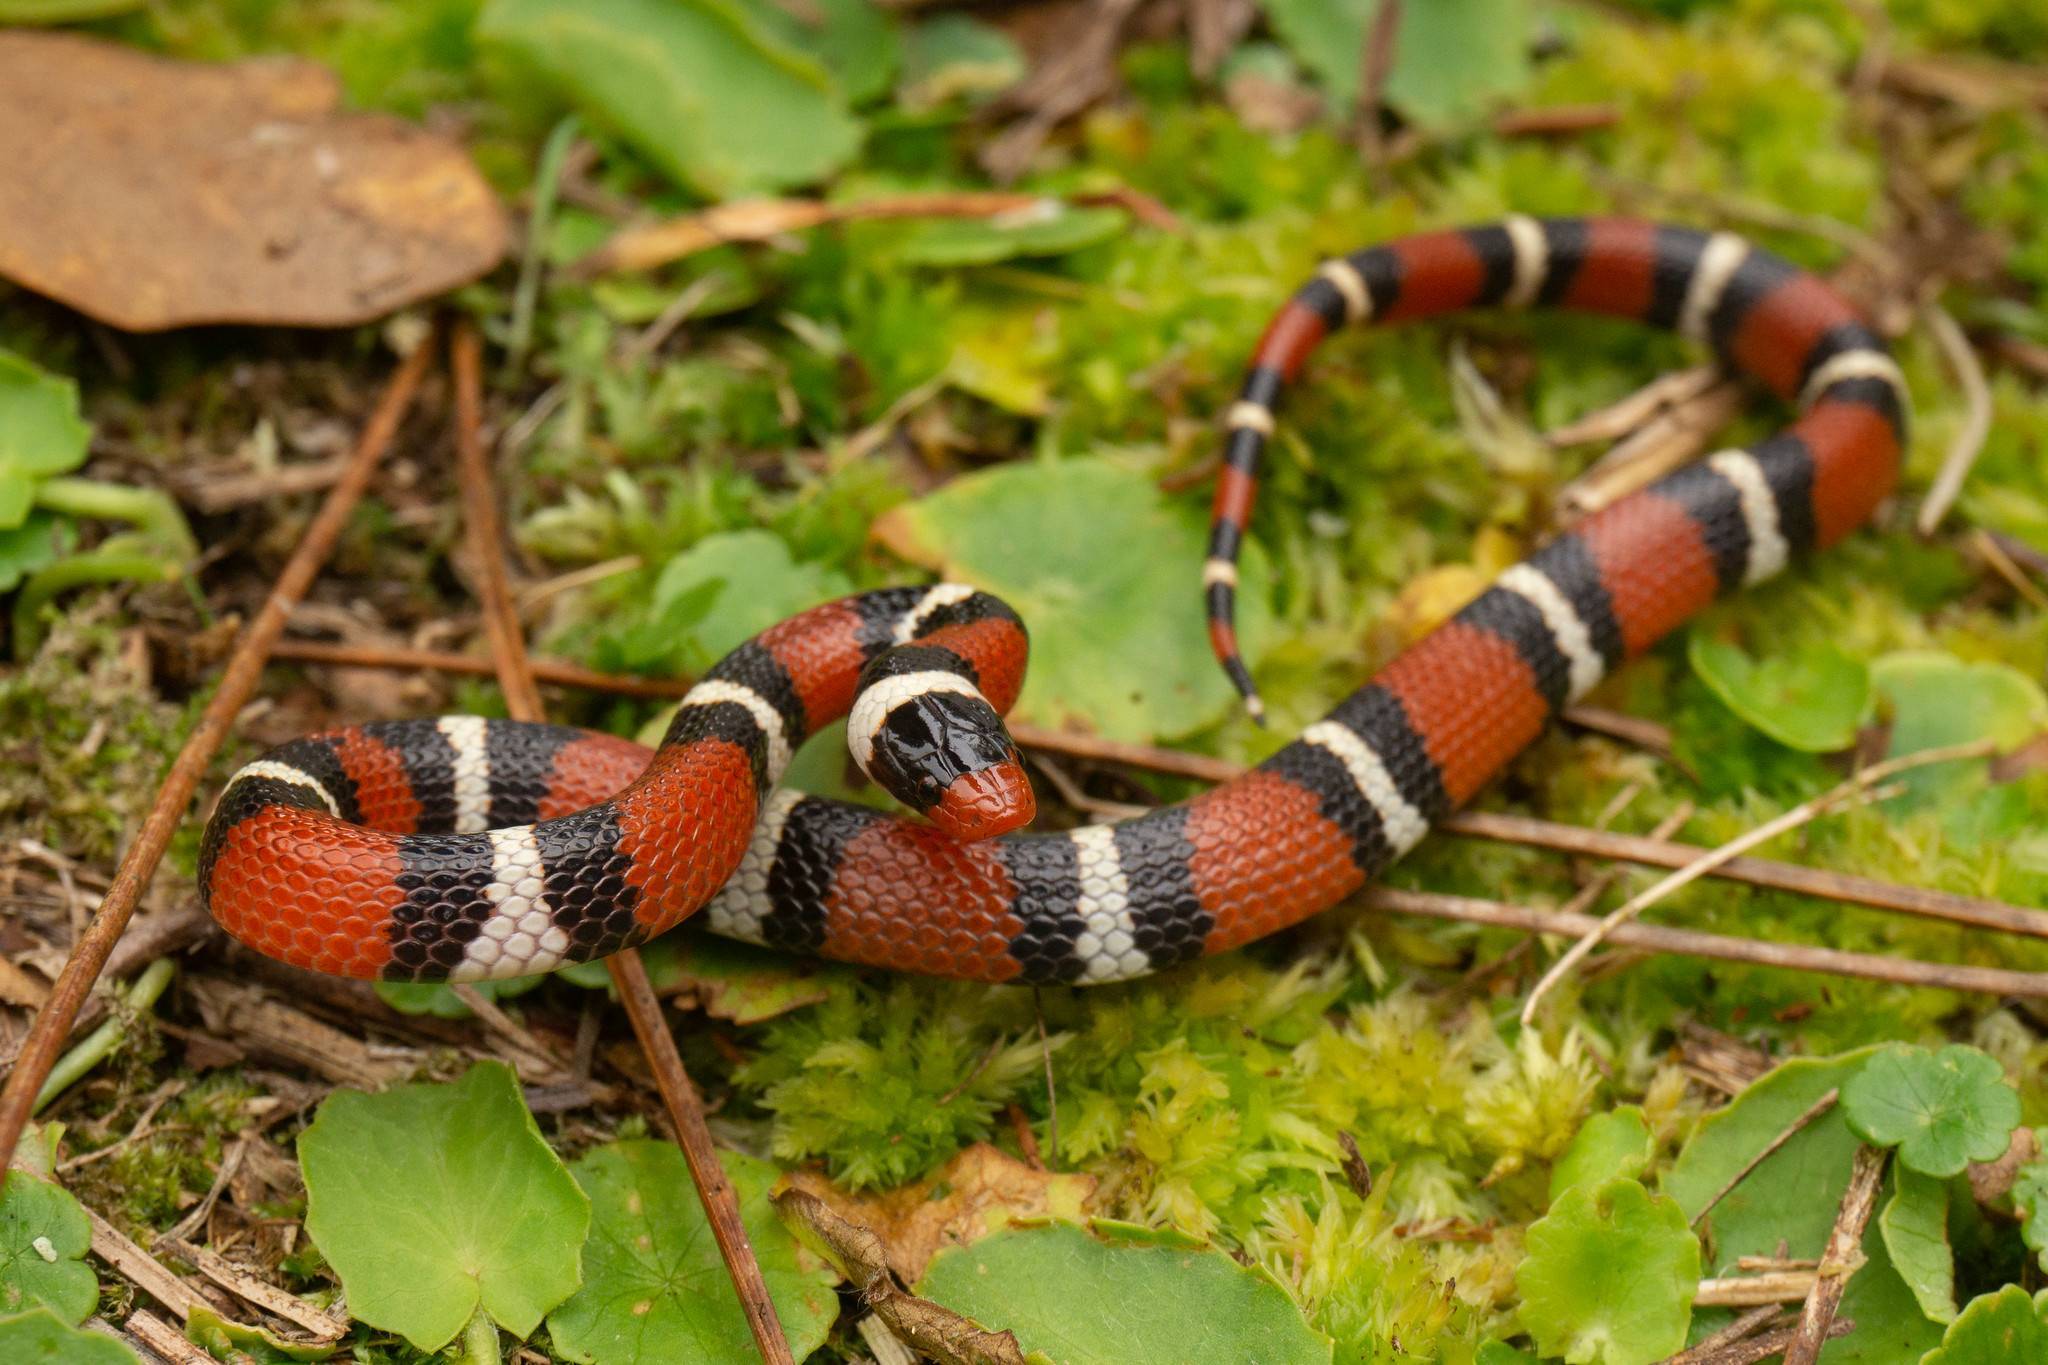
x: 1212, y: 1098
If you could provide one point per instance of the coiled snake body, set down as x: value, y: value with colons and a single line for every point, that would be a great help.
x: 466, y: 849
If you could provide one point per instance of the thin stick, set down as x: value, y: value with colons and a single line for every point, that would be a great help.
x: 1696, y: 943
x: 1734, y: 1331
x: 1791, y: 1130
x: 1527, y: 831
x: 238, y: 682
x: 1969, y: 439
x: 1841, y: 1258
x: 629, y: 976
x: 1853, y: 789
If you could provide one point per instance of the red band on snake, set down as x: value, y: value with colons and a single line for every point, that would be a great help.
x: 461, y: 848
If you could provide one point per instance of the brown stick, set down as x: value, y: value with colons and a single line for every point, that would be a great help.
x: 1844, y: 1253
x: 238, y: 682
x: 629, y: 976
x: 1528, y: 831
x: 1694, y: 943
x: 1750, y: 1350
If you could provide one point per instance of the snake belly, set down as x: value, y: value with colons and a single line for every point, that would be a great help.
x: 461, y: 849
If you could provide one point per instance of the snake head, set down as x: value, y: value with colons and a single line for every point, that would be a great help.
x: 936, y: 744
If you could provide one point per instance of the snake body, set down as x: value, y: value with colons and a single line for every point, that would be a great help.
x: 462, y: 848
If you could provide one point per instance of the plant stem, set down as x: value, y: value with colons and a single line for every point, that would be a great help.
x: 480, y: 1341
x: 149, y: 510
x: 98, y: 1045
x: 105, y: 565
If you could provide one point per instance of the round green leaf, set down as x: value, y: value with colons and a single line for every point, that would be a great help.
x: 1610, y: 1276
x: 1077, y: 1297
x: 40, y: 1339
x: 41, y: 433
x: 1934, y: 699
x: 717, y: 594
x: 1049, y: 228
x: 437, y: 998
x: 1810, y: 699
x: 1607, y: 1145
x: 430, y: 1199
x: 1996, y: 1329
x: 1942, y: 1110
x: 43, y: 1239
x: 1105, y: 571
x: 654, y: 1286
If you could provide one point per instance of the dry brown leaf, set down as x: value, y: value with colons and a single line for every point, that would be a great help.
x: 978, y: 1192
x: 152, y: 193
x: 853, y: 1247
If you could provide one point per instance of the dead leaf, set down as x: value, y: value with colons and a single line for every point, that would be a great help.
x: 152, y: 193
x: 853, y: 1248
x: 978, y: 1192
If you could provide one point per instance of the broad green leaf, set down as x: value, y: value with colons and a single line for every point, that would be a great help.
x: 1453, y: 59
x: 41, y: 433
x: 1791, y: 1197
x: 439, y: 999
x: 429, y: 1200
x: 854, y: 40
x: 1105, y: 571
x: 654, y: 1285
x: 1934, y: 699
x: 696, y: 87
x: 716, y: 595
x: 43, y: 1239
x: 1810, y: 699
x: 1607, y: 1145
x: 2004, y: 1328
x: 40, y: 1338
x: 1049, y: 227
x: 1079, y: 1298
x: 952, y: 56
x: 1500, y: 1353
x: 1915, y: 1227
x: 1942, y: 1110
x: 1609, y: 1276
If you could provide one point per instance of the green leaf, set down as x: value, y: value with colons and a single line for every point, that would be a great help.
x: 2030, y: 1198
x: 1072, y: 545
x: 1609, y: 1276
x: 1915, y: 1227
x: 1607, y: 1145
x: 1500, y: 1353
x: 1934, y: 699
x: 1079, y: 1297
x: 439, y: 999
x: 1453, y: 59
x: 28, y: 547
x: 244, y: 1345
x: 1050, y: 227
x: 39, y: 1338
x: 43, y: 1239
x: 654, y: 1285
x: 1810, y: 699
x: 2004, y: 1328
x: 951, y: 56
x: 1942, y: 1110
x: 718, y: 594
x: 429, y: 1200
x: 697, y: 88
x: 1791, y: 1196
x: 735, y: 981
x: 854, y: 40
x: 41, y: 433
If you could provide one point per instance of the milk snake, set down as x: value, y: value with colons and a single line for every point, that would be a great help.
x: 464, y: 848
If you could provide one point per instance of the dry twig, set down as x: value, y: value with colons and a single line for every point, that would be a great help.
x: 629, y: 976
x: 1840, y: 1259
x: 1968, y: 441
